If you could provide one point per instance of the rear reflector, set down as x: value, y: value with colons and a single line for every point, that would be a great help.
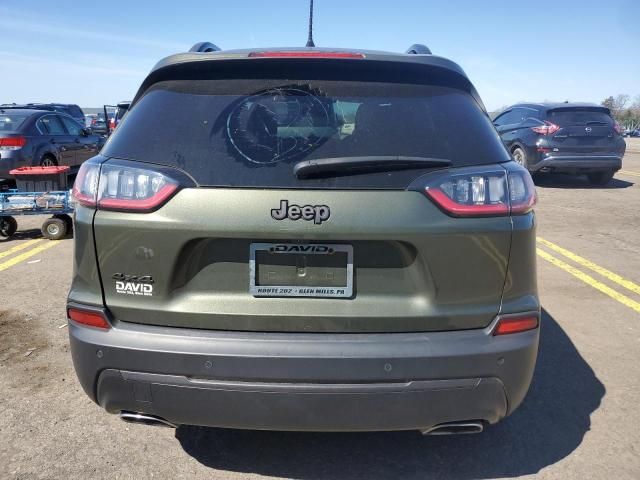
x: 507, y: 325
x: 12, y: 143
x: 305, y: 54
x: 90, y: 318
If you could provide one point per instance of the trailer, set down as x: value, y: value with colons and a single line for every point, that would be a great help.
x: 58, y: 204
x: 41, y: 191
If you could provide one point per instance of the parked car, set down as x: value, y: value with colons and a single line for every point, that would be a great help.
x: 116, y: 113
x: 576, y: 138
x: 74, y: 111
x: 37, y: 137
x: 246, y: 262
x: 96, y: 123
x: 634, y: 133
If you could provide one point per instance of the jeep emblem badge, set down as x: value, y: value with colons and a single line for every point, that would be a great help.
x: 317, y: 213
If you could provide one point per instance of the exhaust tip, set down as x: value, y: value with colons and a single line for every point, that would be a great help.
x: 145, y: 419
x: 455, y: 428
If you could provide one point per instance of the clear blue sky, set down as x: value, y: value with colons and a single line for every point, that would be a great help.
x: 95, y: 52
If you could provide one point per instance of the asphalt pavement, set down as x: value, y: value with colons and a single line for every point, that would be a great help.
x: 580, y: 419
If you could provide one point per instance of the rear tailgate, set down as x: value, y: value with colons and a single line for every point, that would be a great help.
x: 584, y: 130
x: 414, y: 268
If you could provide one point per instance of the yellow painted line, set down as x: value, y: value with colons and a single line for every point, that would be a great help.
x: 614, y: 277
x: 17, y: 248
x: 589, y: 280
x: 28, y: 254
x: 627, y: 172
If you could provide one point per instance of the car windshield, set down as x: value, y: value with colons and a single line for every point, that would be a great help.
x: 250, y: 133
x: 12, y: 121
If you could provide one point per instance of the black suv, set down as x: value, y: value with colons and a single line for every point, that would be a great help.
x: 74, y: 111
x: 576, y: 138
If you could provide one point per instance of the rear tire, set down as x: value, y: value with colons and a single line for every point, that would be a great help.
x: 520, y: 157
x: 68, y: 221
x: 600, y: 178
x: 54, y: 228
x: 8, y: 226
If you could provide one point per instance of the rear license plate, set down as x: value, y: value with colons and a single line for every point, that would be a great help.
x: 300, y: 270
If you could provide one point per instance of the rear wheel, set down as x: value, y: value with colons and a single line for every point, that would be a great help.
x: 8, y: 226
x: 520, y: 157
x: 600, y: 178
x: 54, y: 228
x: 68, y: 221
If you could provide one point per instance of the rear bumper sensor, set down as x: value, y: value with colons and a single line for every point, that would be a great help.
x: 319, y: 407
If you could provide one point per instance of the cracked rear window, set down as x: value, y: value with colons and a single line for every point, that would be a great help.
x: 250, y: 133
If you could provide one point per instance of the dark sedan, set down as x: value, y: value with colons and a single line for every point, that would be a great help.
x: 575, y: 138
x: 35, y: 137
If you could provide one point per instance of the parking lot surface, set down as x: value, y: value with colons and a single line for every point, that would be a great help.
x: 580, y: 419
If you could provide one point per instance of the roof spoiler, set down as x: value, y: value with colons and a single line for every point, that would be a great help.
x: 418, y: 49
x: 208, y: 47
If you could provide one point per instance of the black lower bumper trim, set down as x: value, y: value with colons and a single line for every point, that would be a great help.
x: 303, y: 407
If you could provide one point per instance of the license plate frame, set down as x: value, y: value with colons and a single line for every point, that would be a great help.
x: 297, y: 290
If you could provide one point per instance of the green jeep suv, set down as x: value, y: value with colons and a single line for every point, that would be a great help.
x: 305, y: 239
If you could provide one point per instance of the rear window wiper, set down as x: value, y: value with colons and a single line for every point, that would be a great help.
x: 355, y: 165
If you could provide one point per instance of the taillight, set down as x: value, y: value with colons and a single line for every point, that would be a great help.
x: 516, y: 324
x: 90, y: 318
x: 115, y: 186
x: 304, y: 54
x: 85, y: 187
x: 547, y: 129
x: 12, y: 143
x: 618, y: 128
x: 477, y: 193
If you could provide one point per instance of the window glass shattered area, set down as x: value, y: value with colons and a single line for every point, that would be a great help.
x: 281, y: 124
x: 251, y: 133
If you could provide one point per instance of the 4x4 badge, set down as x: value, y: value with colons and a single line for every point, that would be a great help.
x: 133, y: 284
x: 317, y: 213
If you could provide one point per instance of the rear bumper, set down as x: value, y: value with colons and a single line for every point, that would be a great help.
x: 575, y: 164
x: 313, y: 382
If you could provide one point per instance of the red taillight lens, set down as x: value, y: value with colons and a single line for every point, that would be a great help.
x: 89, y: 318
x: 516, y: 324
x: 305, y: 54
x: 85, y: 188
x: 483, y: 194
x: 547, y: 129
x: 12, y: 143
x: 522, y: 192
x: 117, y: 187
x: 466, y: 207
x: 618, y: 128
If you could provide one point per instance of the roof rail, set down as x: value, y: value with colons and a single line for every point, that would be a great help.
x: 204, y: 47
x: 418, y: 49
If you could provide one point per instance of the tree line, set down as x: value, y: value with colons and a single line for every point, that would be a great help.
x: 625, y: 111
